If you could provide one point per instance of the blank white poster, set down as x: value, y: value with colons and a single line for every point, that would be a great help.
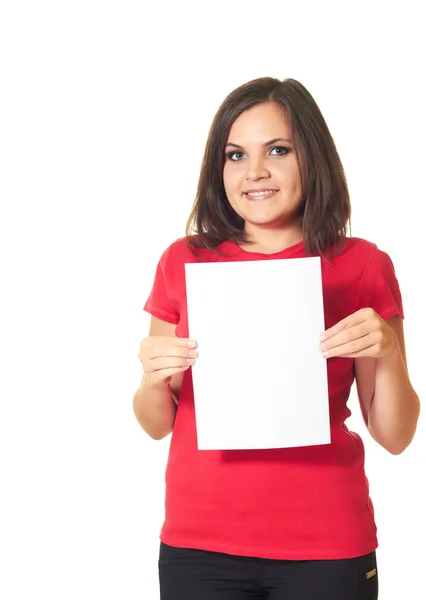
x: 259, y: 380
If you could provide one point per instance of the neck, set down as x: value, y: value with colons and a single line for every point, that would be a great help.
x: 271, y: 241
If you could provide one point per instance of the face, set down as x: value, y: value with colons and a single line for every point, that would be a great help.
x: 256, y: 160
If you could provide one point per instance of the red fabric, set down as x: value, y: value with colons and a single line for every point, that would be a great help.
x: 290, y: 503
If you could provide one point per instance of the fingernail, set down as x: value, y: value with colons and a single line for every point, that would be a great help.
x: 192, y: 344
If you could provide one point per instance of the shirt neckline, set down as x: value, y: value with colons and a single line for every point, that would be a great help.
x: 237, y: 250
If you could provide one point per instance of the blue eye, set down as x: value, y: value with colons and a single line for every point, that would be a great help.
x: 231, y: 154
x: 286, y: 150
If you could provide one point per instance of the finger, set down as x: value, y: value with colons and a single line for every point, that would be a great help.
x: 155, y: 346
x: 360, y: 347
x: 169, y: 350
x: 370, y: 352
x: 175, y: 341
x: 162, y: 363
x: 164, y: 374
x: 355, y: 319
x: 346, y: 336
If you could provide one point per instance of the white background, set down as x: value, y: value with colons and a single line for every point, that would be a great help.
x: 105, y: 109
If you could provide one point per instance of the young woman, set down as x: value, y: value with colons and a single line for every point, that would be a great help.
x: 287, y: 523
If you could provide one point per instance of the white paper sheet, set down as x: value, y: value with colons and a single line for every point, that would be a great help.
x: 260, y: 380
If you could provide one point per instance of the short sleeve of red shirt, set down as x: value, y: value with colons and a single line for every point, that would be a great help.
x: 380, y: 289
x: 158, y: 303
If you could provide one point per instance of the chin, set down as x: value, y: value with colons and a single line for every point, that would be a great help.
x: 265, y: 220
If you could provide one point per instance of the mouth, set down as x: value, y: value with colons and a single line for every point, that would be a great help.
x: 260, y: 194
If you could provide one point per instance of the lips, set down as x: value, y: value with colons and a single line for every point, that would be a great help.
x: 260, y: 194
x: 255, y: 190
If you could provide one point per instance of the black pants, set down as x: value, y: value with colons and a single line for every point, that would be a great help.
x: 187, y: 574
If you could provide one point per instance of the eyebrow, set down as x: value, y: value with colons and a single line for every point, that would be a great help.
x: 265, y: 144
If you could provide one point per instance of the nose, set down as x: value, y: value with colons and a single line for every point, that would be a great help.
x: 256, y: 169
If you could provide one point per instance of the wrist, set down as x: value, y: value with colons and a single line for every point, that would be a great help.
x: 148, y: 384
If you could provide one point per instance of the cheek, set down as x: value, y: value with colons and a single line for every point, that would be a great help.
x: 227, y: 180
x: 295, y: 184
x: 291, y: 182
x: 232, y: 178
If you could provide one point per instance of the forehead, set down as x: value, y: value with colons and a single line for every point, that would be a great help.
x: 265, y: 120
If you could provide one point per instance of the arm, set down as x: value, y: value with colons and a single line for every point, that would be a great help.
x: 155, y: 407
x: 389, y: 404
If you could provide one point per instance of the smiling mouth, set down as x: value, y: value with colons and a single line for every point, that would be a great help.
x: 260, y: 195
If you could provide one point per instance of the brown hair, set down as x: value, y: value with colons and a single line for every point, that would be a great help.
x: 325, y: 206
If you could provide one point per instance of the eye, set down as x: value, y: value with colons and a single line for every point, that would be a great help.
x: 283, y: 151
x: 286, y: 150
x: 231, y: 154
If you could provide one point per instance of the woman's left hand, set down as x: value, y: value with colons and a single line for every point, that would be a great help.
x: 363, y: 333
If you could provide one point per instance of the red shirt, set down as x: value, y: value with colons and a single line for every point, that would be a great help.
x: 288, y: 503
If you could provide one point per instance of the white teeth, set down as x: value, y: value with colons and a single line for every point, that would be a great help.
x: 259, y: 193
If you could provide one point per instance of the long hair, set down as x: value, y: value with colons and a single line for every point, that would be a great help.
x: 325, y: 208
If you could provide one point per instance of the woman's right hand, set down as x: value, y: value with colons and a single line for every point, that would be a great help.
x: 163, y: 357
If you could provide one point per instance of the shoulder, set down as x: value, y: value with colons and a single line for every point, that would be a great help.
x: 359, y: 261
x: 178, y: 253
x: 364, y: 253
x: 182, y: 250
x: 359, y: 246
x: 375, y: 258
